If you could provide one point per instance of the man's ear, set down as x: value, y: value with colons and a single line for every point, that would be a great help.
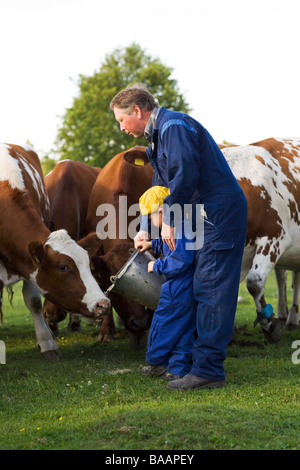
x: 91, y: 243
x: 37, y: 252
x: 137, y: 111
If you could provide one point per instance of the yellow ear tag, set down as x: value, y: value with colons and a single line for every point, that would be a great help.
x: 37, y: 259
x: 139, y: 161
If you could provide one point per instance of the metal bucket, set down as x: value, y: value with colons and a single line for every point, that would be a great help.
x: 134, y: 282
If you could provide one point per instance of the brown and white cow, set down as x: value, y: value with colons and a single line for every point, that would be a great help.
x: 51, y: 264
x: 127, y: 176
x: 269, y: 174
x: 68, y: 186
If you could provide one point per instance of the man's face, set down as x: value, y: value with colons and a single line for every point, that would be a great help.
x: 132, y: 123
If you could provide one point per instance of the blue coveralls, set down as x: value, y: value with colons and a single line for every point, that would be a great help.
x: 172, y: 332
x: 186, y: 159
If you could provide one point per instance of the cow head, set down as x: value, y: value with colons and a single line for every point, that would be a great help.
x: 64, y: 277
x: 136, y: 318
x: 53, y: 315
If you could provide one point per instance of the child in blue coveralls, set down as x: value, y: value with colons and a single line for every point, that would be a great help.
x: 173, y: 327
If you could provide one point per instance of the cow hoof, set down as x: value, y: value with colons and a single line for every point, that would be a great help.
x: 105, y: 338
x: 291, y: 327
x: 274, y: 333
x: 52, y: 355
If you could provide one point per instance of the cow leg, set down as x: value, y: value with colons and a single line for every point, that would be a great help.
x: 282, y: 308
x: 292, y: 322
x: 256, y: 282
x: 32, y: 299
x: 74, y: 323
x: 107, y: 332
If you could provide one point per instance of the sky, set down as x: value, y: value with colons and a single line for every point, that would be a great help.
x: 237, y: 62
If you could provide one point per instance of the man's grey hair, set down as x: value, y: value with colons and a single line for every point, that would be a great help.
x: 134, y: 95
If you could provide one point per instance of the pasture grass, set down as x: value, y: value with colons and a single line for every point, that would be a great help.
x: 95, y: 397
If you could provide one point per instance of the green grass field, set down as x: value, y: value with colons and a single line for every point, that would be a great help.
x: 96, y: 398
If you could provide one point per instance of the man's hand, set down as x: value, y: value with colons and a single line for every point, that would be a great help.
x: 168, y: 236
x: 142, y: 235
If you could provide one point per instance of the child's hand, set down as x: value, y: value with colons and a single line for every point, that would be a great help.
x: 168, y: 236
x: 150, y: 266
x: 144, y: 245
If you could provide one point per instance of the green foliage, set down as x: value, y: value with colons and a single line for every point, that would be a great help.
x: 89, y: 131
x: 47, y: 164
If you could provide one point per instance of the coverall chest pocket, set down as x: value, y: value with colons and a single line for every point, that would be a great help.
x: 213, y: 261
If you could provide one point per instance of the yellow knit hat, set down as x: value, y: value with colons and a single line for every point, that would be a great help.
x: 152, y: 199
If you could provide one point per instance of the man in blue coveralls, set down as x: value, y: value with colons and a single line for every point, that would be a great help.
x: 187, y: 160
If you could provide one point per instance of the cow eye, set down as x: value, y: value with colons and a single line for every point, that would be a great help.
x: 63, y: 268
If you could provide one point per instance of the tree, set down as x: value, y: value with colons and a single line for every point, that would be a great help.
x: 47, y: 164
x: 89, y: 131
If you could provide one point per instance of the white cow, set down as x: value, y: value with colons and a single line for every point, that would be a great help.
x: 269, y: 174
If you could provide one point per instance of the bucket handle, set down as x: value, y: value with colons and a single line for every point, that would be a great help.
x: 113, y: 279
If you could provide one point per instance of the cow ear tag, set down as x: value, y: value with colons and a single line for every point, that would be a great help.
x: 139, y: 162
x: 37, y: 259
